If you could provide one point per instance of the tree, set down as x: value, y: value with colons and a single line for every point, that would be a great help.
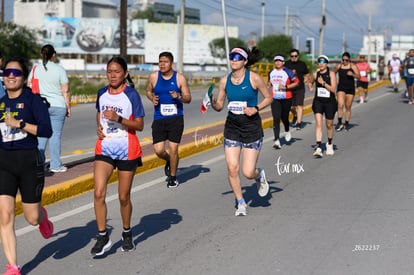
x: 218, y: 46
x: 18, y: 41
x: 148, y: 13
x: 275, y: 44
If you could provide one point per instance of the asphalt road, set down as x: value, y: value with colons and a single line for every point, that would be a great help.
x: 351, y: 213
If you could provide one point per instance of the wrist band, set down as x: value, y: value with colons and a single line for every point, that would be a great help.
x: 257, y: 108
x: 120, y: 119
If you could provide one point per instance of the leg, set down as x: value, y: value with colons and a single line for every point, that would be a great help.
x: 124, y: 193
x: 318, y: 127
x: 286, y: 105
x: 173, y: 151
x: 57, y: 118
x: 329, y: 128
x: 348, y: 105
x: 233, y: 167
x: 159, y: 150
x: 299, y: 111
x: 249, y: 160
x: 341, y: 102
x: 7, y: 233
x: 276, y: 108
x: 102, y: 172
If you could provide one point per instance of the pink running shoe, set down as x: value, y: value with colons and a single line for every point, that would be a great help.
x: 46, y: 226
x: 12, y: 270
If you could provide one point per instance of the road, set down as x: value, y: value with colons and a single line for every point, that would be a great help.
x: 351, y: 213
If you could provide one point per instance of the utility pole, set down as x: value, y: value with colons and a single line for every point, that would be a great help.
x: 322, y: 29
x: 369, y: 37
x: 286, y: 20
x: 226, y: 35
x: 180, y: 66
x: 123, y: 30
x: 263, y: 10
x: 2, y: 11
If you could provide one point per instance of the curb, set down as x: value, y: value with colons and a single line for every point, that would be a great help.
x: 85, y: 183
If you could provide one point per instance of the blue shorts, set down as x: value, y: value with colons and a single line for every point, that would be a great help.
x: 256, y: 145
x: 409, y: 80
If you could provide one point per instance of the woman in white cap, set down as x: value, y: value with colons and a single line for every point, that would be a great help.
x: 324, y: 102
x: 243, y: 132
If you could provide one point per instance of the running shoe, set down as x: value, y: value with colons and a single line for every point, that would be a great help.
x: 103, y: 243
x: 241, y: 210
x: 294, y: 121
x: 277, y: 145
x: 167, y: 169
x: 288, y: 136
x: 410, y: 102
x: 361, y: 100
x: 329, y: 149
x: 46, y: 226
x: 12, y: 270
x: 172, y: 183
x: 61, y: 169
x: 298, y: 126
x: 127, y: 243
x: 339, y: 127
x: 262, y: 184
x: 318, y: 152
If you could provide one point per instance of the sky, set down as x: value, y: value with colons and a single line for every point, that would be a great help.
x: 344, y: 19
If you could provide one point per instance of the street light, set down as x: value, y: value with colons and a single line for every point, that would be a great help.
x: 263, y: 8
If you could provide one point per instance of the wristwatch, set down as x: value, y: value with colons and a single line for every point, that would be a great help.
x: 22, y: 124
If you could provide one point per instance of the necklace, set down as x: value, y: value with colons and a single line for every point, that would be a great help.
x: 239, y: 79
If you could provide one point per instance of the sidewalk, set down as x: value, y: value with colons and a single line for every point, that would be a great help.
x: 79, y: 177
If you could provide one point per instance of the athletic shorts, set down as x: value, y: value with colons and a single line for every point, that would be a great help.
x: 298, y: 97
x: 409, y: 80
x: 168, y: 129
x: 347, y: 91
x: 122, y: 165
x: 328, y: 108
x: 362, y: 84
x: 22, y: 170
x: 256, y: 145
x: 395, y: 78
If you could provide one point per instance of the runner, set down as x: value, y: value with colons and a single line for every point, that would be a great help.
x: 168, y: 90
x: 394, y: 69
x: 362, y: 83
x: 324, y: 102
x: 243, y: 132
x: 347, y: 72
x: 282, y: 80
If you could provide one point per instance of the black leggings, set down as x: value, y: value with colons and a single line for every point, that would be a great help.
x: 280, y: 111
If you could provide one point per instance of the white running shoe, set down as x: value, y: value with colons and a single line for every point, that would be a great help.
x: 277, y: 145
x: 262, y: 184
x: 241, y: 210
x: 288, y: 136
x: 318, y: 152
x: 329, y: 149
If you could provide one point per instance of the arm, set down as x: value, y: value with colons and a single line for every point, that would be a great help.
x: 150, y: 88
x: 136, y: 124
x: 66, y: 96
x: 356, y: 73
x: 259, y: 84
x: 185, y: 90
x: 99, y: 127
x: 218, y: 103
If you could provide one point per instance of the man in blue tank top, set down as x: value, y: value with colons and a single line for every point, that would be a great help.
x: 168, y: 90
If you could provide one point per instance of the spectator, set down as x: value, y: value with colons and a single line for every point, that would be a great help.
x: 54, y: 86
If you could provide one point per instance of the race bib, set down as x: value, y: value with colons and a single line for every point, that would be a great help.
x: 323, y: 92
x: 168, y: 109
x: 11, y: 134
x: 112, y: 129
x: 411, y: 71
x: 363, y: 73
x: 237, y: 107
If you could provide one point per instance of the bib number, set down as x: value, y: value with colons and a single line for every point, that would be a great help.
x: 411, y: 71
x: 237, y: 107
x: 323, y: 92
x: 168, y: 109
x: 363, y: 73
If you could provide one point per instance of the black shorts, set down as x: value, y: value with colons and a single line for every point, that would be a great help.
x: 242, y: 128
x: 298, y: 97
x: 122, y: 165
x: 328, y: 108
x: 22, y: 170
x: 168, y: 129
x: 347, y: 91
x: 362, y: 84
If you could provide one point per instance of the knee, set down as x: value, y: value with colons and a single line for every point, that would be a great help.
x: 249, y: 174
x: 124, y: 200
x: 233, y: 170
x: 99, y: 196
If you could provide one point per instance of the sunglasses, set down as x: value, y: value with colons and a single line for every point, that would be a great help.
x: 15, y: 72
x: 293, y: 56
x: 322, y: 61
x: 236, y: 57
x: 345, y: 59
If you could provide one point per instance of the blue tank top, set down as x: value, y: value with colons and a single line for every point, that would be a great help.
x: 167, y: 106
x: 242, y: 92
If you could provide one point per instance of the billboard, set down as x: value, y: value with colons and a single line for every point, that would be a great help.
x: 92, y: 35
x: 164, y: 37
